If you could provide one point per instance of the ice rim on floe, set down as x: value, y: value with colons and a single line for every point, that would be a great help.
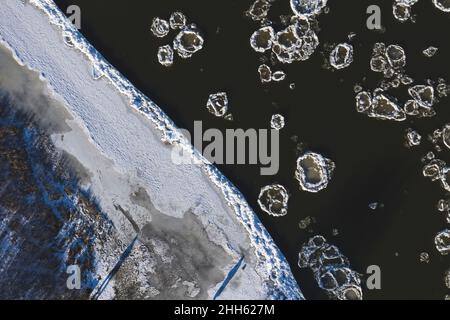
x: 272, y: 265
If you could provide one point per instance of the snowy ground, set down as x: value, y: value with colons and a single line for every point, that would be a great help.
x: 192, y: 225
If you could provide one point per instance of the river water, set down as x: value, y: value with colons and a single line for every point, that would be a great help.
x: 372, y: 163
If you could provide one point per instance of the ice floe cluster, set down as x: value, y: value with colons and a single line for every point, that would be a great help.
x: 387, y: 59
x: 390, y: 60
x: 331, y: 269
x: 441, y: 138
x: 437, y: 170
x: 266, y: 74
x: 273, y: 199
x: 402, y: 9
x: 188, y: 40
x: 295, y: 40
x: 314, y: 171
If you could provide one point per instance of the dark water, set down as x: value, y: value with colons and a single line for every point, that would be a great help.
x: 372, y: 163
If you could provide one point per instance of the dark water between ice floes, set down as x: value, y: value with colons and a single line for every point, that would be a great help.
x: 372, y: 163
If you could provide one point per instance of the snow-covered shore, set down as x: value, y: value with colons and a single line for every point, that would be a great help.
x: 124, y: 141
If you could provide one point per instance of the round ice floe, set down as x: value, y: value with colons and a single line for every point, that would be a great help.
x: 430, y: 51
x: 165, y: 55
x: 308, y: 7
x: 341, y: 56
x: 259, y: 10
x: 434, y: 169
x: 262, y: 39
x: 363, y: 101
x: 277, y: 122
x: 273, y: 199
x: 396, y: 56
x: 288, y: 38
x: 188, y: 41
x: 413, y: 138
x: 160, y: 27
x: 314, y: 172
x: 424, y: 95
x: 278, y: 76
x: 442, y: 242
x: 411, y: 108
x: 401, y: 11
x: 443, y: 5
x: 265, y: 73
x: 443, y: 205
x: 378, y: 63
x: 177, y: 20
x: 218, y: 104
